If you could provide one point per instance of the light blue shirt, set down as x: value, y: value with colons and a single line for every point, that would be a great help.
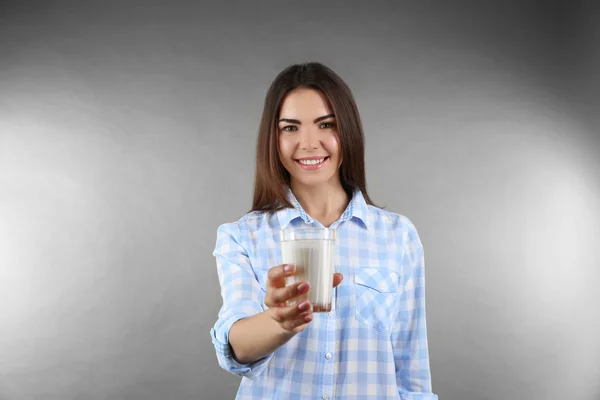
x: 373, y: 345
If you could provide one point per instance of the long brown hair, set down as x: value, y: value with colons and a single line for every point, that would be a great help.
x: 272, y: 179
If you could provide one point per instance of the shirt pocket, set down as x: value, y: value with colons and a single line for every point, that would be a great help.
x: 375, y: 291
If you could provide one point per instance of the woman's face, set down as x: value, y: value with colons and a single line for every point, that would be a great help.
x: 309, y: 146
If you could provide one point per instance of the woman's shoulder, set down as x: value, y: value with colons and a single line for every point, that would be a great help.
x: 384, y: 218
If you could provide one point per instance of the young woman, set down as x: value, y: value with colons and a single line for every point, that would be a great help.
x: 310, y: 173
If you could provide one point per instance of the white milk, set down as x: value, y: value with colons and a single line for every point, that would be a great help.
x: 314, y: 261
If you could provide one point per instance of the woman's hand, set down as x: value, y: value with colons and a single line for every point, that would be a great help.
x: 295, y: 318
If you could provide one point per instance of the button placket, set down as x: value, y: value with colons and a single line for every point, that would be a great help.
x: 327, y: 390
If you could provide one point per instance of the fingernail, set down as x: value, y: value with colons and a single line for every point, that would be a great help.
x: 288, y: 268
x: 303, y: 287
x: 303, y: 306
x: 308, y: 318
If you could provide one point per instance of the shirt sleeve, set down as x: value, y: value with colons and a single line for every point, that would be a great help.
x: 409, y: 332
x: 242, y: 297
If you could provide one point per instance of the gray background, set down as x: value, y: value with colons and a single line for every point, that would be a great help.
x: 127, y: 135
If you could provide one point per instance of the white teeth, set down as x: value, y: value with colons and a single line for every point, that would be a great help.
x: 312, y: 162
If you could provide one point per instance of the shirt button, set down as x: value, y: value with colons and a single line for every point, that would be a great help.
x: 331, y: 313
x: 324, y: 397
x: 328, y: 356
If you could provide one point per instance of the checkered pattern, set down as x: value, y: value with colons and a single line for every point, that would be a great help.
x: 376, y: 296
x: 373, y: 345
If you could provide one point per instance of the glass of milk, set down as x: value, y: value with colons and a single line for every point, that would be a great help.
x: 312, y: 251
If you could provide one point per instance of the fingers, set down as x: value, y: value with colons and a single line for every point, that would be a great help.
x: 276, y: 275
x: 291, y: 318
x: 277, y: 296
x: 337, y: 279
x: 280, y: 271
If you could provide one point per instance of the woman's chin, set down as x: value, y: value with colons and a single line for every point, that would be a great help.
x: 312, y: 181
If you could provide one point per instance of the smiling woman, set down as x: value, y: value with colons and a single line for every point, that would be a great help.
x: 309, y: 114
x: 371, y: 342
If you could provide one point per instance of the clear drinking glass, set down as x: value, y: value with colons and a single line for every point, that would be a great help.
x: 312, y: 251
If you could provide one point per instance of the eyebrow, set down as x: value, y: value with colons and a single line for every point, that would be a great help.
x: 295, y: 121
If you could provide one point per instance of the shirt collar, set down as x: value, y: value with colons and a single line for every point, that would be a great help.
x: 357, y: 208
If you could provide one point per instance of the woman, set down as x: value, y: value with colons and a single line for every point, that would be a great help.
x: 310, y: 172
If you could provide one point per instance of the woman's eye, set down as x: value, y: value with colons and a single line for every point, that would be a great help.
x: 290, y: 128
x: 326, y: 125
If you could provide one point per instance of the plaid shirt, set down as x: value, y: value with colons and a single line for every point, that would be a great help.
x: 374, y: 342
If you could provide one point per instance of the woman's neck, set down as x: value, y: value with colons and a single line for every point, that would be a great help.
x: 325, y: 203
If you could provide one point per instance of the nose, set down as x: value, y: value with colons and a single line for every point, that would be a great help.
x: 310, y: 139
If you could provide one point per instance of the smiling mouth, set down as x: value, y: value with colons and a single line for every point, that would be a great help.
x: 312, y: 163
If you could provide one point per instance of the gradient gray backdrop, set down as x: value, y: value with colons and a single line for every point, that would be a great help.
x: 127, y: 135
